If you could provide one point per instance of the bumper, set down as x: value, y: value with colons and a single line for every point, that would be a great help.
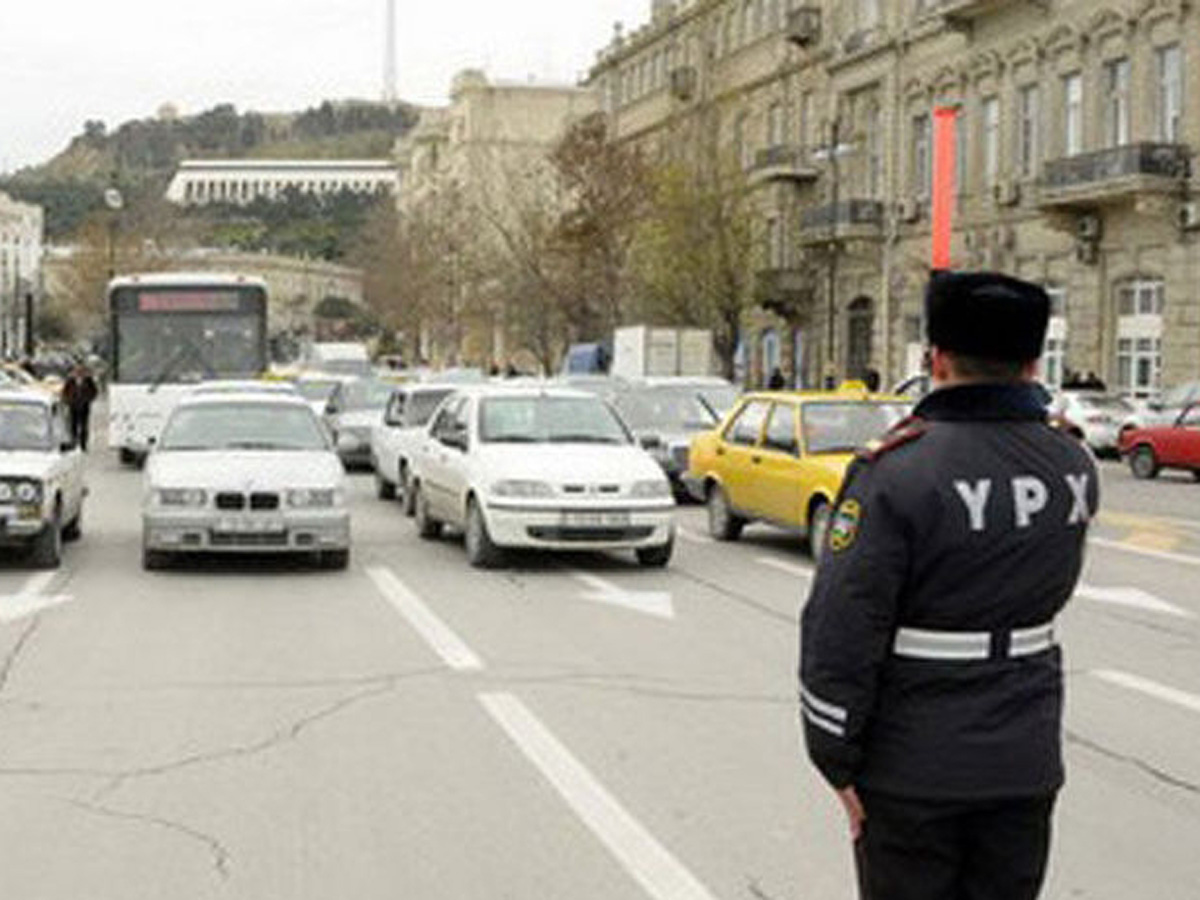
x: 16, y: 532
x: 515, y: 526
x: 1101, y: 437
x: 208, y: 531
x: 355, y: 450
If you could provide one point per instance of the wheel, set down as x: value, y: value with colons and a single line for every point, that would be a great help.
x: 407, y: 497
x: 818, y: 530
x: 334, y: 560
x: 155, y: 560
x: 723, y: 524
x: 656, y: 557
x: 74, y: 529
x: 428, y: 528
x: 47, y: 546
x: 1142, y: 462
x: 482, y: 553
x: 384, y: 489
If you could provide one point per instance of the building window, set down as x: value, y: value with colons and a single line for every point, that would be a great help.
x: 1140, y: 305
x: 874, y: 129
x: 775, y: 248
x: 922, y: 155
x: 806, y: 119
x: 1170, y: 94
x: 776, y: 125
x: 1054, y: 359
x: 1072, y: 86
x: 1116, y: 103
x: 1029, y: 132
x: 990, y: 112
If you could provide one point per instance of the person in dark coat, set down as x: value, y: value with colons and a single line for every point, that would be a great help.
x: 776, y: 382
x: 79, y: 392
x: 931, y: 683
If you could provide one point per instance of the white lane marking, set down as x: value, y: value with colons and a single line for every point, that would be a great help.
x: 1143, y: 551
x: 694, y: 537
x: 436, y: 633
x: 31, y: 598
x: 784, y: 566
x: 651, y: 603
x: 1150, y: 688
x: 1134, y: 597
x: 660, y: 874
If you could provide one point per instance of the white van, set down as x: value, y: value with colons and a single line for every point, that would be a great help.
x: 339, y: 359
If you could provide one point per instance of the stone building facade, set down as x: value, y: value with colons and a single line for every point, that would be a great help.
x: 1075, y: 129
x: 21, y: 236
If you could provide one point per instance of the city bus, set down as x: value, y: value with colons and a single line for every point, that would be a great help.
x: 170, y: 332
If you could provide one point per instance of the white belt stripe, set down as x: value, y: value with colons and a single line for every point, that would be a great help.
x: 821, y: 722
x: 824, y: 707
x: 916, y: 643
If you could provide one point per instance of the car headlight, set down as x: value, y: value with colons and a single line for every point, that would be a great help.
x: 515, y: 487
x: 646, y: 490
x: 182, y: 498
x: 314, y: 498
x: 29, y: 492
x: 6, y: 492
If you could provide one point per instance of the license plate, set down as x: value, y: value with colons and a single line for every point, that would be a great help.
x: 596, y: 519
x: 249, y: 526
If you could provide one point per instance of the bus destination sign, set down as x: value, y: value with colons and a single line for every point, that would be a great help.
x: 188, y: 301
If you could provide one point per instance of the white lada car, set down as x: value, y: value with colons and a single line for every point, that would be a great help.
x: 239, y: 473
x: 540, y: 468
x: 41, y: 477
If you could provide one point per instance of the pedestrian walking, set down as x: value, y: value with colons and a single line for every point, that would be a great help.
x: 777, y: 381
x: 931, y: 680
x: 79, y: 392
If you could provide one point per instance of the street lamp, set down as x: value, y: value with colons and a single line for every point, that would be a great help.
x: 115, y: 202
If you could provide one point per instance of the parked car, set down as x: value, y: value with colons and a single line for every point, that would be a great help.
x: 353, y: 411
x: 1166, y: 409
x: 1097, y: 416
x: 780, y: 458
x: 1151, y: 449
x: 541, y: 468
x: 396, y: 439
x: 244, y: 473
x: 234, y: 386
x: 41, y: 477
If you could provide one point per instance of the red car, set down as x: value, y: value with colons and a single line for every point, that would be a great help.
x: 1159, y: 447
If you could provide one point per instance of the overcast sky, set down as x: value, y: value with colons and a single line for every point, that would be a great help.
x: 65, y: 61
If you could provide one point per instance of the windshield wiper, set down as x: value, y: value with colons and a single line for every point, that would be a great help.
x: 511, y: 439
x: 258, y: 445
x: 582, y: 439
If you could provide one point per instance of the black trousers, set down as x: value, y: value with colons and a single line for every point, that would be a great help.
x: 923, y: 850
x: 80, y: 418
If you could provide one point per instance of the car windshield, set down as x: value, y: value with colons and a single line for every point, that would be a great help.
x: 243, y: 426
x: 366, y: 394
x: 314, y: 389
x: 421, y: 406
x: 845, y: 427
x: 664, y: 409
x: 549, y: 420
x: 1182, y: 395
x: 720, y: 398
x: 24, y: 426
x: 1107, y: 403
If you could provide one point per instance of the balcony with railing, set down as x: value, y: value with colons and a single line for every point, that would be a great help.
x: 786, y: 292
x: 966, y: 12
x: 1114, y: 175
x: 847, y: 220
x: 783, y: 162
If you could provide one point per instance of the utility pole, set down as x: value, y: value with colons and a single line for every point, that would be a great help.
x: 835, y: 140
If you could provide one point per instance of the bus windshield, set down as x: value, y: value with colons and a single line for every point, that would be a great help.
x: 188, y: 336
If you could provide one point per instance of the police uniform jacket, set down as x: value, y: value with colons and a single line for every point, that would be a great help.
x: 971, y: 518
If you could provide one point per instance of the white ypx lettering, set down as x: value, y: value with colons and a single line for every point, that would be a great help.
x: 1080, y: 511
x: 975, y: 498
x: 1029, y: 498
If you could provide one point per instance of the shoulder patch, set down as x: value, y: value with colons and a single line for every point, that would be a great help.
x: 904, y: 432
x: 843, y: 527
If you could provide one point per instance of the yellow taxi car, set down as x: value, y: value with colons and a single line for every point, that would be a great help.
x: 780, y: 458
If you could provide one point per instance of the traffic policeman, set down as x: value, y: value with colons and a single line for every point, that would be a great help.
x: 930, y: 678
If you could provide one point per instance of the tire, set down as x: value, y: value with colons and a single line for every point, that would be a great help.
x: 482, y: 553
x: 155, y: 560
x: 334, y: 560
x: 1143, y: 463
x: 656, y: 557
x: 74, y: 529
x: 428, y: 528
x: 408, y: 499
x: 384, y: 489
x: 46, y: 552
x: 818, y: 530
x: 723, y: 523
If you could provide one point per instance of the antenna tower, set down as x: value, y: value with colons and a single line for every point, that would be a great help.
x: 391, y: 76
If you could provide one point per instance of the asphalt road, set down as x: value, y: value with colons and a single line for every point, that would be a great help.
x: 565, y: 728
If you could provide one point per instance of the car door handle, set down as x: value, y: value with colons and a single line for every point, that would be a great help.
x: 756, y: 459
x: 720, y: 451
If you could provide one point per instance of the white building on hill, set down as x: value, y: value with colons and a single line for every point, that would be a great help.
x: 241, y: 181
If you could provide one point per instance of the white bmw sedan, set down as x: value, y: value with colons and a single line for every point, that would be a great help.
x: 238, y: 473
x: 541, y: 468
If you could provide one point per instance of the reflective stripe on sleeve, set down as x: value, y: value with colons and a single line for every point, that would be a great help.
x: 824, y: 707
x: 821, y: 722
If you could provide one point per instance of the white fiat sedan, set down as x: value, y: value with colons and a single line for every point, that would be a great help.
x: 238, y: 473
x: 542, y: 468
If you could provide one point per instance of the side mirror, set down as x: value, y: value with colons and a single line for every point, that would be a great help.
x: 650, y: 441
x: 456, y: 439
x: 331, y: 409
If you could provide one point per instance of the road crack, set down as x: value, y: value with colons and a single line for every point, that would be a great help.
x: 221, y: 858
x: 8, y: 666
x: 1154, y: 772
x: 742, y: 599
